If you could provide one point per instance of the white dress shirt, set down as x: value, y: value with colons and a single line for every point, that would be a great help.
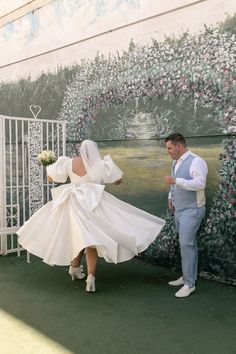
x: 198, y: 171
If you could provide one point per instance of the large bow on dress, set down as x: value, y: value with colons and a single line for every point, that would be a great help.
x: 88, y: 195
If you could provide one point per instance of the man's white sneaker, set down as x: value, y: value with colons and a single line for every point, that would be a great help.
x: 185, y: 291
x: 177, y: 282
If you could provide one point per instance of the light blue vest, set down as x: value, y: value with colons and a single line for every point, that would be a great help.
x: 182, y: 199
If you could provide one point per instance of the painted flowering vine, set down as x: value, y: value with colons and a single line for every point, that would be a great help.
x: 199, y: 68
x: 218, y: 237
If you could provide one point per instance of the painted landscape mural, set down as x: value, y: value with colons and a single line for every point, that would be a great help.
x: 130, y: 102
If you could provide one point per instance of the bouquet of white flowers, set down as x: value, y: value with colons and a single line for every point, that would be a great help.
x: 46, y: 157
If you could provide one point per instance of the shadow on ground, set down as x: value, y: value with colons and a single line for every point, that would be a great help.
x: 133, y: 311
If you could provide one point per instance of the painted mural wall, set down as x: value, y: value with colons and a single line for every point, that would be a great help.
x: 62, y: 32
x: 126, y: 74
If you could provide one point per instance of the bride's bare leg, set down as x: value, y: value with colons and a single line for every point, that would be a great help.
x: 91, y: 258
x: 76, y: 261
x: 76, y: 270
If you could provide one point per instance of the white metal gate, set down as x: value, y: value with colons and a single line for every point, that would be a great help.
x: 23, y: 183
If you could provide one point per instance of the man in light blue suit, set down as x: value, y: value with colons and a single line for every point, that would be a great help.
x: 187, y: 200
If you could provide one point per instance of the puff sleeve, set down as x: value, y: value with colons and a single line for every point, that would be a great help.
x: 111, y: 172
x: 58, y: 171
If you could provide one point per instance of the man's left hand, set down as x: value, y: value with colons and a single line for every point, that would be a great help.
x: 169, y: 180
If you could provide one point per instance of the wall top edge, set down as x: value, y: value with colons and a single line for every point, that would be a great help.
x: 21, y: 11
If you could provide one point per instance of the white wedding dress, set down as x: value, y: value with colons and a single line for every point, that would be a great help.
x: 81, y: 214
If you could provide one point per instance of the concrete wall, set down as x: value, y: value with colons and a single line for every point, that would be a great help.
x: 41, y: 35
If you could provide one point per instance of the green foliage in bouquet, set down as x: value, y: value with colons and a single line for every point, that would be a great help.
x: 46, y: 157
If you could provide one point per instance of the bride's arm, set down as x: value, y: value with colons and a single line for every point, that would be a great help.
x: 57, y: 172
x: 111, y: 172
x: 50, y: 179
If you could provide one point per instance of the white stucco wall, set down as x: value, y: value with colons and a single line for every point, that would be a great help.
x: 63, y: 32
x: 8, y: 6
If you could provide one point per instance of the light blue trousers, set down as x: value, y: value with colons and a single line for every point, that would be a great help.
x: 187, y: 223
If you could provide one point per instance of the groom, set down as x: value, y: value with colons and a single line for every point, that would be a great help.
x: 187, y: 201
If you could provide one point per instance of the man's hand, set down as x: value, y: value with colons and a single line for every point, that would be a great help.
x: 170, y: 205
x: 50, y: 179
x: 169, y: 180
x: 116, y: 183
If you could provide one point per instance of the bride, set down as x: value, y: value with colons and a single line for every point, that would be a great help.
x: 82, y: 216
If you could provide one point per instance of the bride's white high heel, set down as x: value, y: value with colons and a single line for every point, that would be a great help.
x: 77, y: 272
x: 90, y: 287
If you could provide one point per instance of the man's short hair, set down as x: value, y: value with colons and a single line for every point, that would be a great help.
x: 176, y: 139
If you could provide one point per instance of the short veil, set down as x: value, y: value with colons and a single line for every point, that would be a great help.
x: 99, y: 170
